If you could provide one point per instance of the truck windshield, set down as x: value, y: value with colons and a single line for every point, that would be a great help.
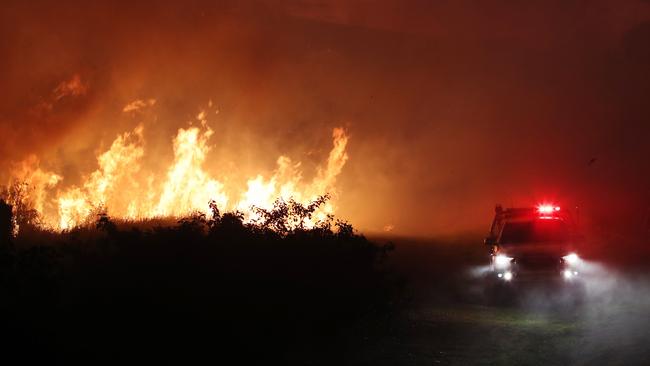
x: 536, y: 231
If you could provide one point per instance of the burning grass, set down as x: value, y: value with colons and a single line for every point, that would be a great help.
x: 134, y: 190
x: 203, y: 286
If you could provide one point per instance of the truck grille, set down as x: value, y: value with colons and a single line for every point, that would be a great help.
x: 538, y: 263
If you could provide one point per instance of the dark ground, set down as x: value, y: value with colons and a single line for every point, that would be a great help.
x: 175, y: 295
x: 447, y: 320
x: 200, y: 290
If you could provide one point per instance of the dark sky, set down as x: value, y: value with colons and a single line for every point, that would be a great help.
x: 451, y: 106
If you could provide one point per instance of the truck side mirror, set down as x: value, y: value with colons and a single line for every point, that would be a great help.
x: 489, y: 241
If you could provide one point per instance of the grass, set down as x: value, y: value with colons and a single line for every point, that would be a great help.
x: 445, y: 323
x: 501, y: 317
x: 218, y: 290
x: 203, y: 288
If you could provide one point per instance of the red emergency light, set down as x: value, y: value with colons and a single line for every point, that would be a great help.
x: 546, y: 211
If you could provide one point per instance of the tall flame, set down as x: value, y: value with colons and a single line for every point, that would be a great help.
x: 120, y: 187
x: 287, y: 178
x: 40, y: 181
x: 188, y: 186
x: 117, y: 166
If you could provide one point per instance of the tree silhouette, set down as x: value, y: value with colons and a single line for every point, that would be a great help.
x: 6, y: 223
x: 17, y: 195
x: 286, y: 217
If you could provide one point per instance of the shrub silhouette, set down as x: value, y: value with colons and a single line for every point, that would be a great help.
x: 203, y: 286
x: 6, y: 223
x: 17, y: 195
x: 6, y: 242
x: 286, y: 217
x: 105, y: 224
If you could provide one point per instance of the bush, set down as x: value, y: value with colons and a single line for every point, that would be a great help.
x: 6, y: 223
x: 17, y: 196
x: 213, y: 287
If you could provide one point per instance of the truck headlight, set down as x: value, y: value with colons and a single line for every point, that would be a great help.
x: 571, y: 259
x: 569, y: 274
x: 502, y: 261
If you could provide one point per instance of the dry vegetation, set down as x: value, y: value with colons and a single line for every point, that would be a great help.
x: 202, y: 286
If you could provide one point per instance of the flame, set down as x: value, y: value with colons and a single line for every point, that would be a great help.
x: 39, y: 181
x: 287, y: 178
x: 73, y: 87
x: 121, y: 187
x: 117, y: 167
x: 188, y: 186
x: 137, y: 105
x: 337, y: 159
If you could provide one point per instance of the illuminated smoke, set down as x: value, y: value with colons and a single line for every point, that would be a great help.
x: 107, y: 185
x: 39, y: 181
x: 287, y: 178
x: 138, y: 105
x: 188, y: 186
x: 125, y: 189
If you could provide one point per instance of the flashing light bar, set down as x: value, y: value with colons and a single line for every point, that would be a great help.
x: 546, y: 209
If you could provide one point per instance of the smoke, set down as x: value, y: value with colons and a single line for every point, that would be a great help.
x: 608, y: 321
x: 615, y: 315
x: 451, y: 312
x: 122, y: 187
x: 603, y: 314
x: 452, y: 107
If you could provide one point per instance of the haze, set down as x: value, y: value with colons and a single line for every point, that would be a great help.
x: 449, y: 108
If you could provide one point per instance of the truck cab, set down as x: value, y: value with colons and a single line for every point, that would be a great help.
x: 533, y: 244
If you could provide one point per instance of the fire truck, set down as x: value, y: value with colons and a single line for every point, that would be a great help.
x: 534, y: 244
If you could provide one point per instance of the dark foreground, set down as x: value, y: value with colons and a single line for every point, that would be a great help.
x: 447, y: 319
x: 200, y: 290
x: 196, y: 293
